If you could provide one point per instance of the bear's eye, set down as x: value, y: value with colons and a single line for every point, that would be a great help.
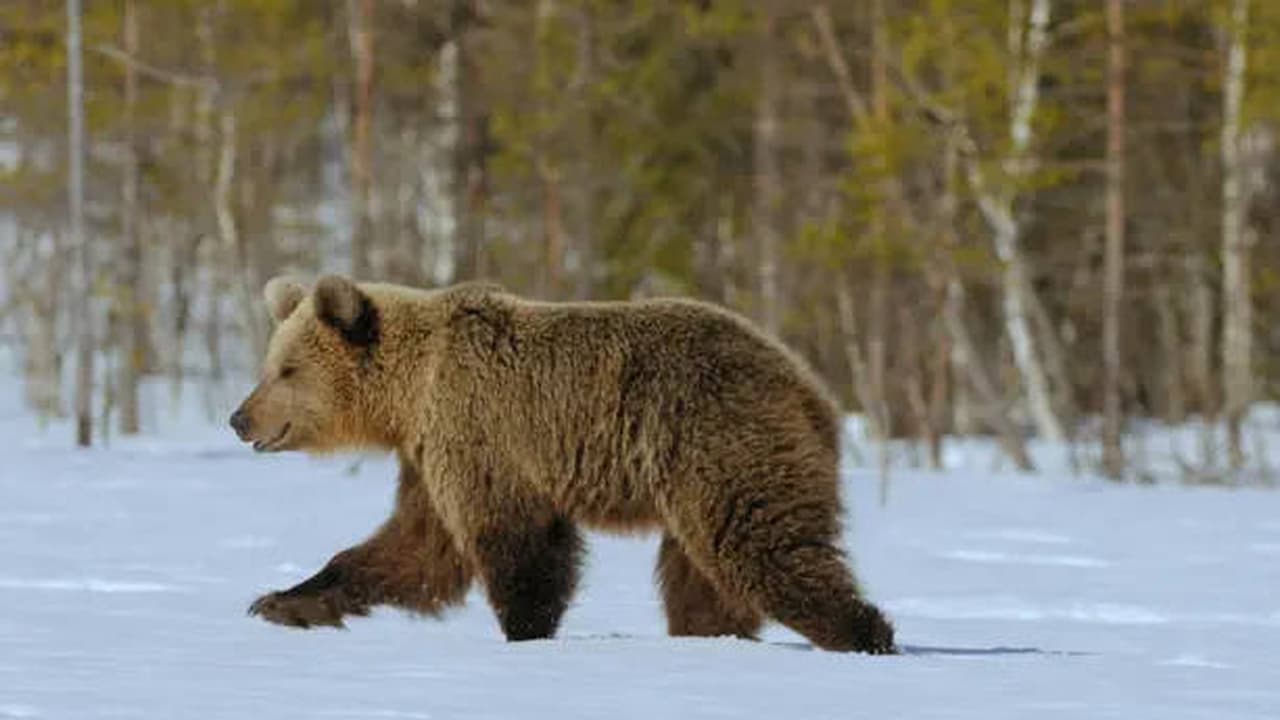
x: 287, y: 372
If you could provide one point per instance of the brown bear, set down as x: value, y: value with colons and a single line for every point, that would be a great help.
x: 516, y: 421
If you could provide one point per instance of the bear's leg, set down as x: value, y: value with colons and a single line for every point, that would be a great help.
x: 411, y: 562
x: 694, y: 606
x: 808, y: 588
x: 530, y: 570
x: 773, y: 542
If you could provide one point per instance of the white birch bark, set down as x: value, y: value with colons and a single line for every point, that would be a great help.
x: 997, y: 206
x: 79, y: 239
x: 881, y: 274
x: 1113, y: 286
x: 130, y: 280
x: 438, y: 170
x: 230, y: 242
x: 1237, y: 310
x: 360, y: 16
x: 862, y: 382
x: 964, y: 354
x: 767, y: 189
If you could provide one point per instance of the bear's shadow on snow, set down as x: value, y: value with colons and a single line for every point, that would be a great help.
x: 903, y: 650
x: 983, y: 652
x: 938, y: 650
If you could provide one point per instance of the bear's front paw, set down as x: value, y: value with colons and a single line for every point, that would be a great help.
x: 304, y: 610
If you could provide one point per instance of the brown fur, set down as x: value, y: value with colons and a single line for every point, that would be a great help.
x: 694, y: 605
x: 411, y: 563
x: 516, y: 419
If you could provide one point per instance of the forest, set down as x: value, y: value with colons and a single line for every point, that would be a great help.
x: 1026, y: 220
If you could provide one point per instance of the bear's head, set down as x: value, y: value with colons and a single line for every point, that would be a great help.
x: 319, y: 373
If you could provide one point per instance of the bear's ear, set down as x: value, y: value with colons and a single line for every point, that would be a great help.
x: 341, y: 305
x: 283, y: 294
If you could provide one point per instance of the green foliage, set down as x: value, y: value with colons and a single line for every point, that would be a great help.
x: 1262, y: 100
x: 626, y: 131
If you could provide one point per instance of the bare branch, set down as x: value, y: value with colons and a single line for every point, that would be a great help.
x: 839, y: 65
x: 177, y: 78
x: 169, y: 77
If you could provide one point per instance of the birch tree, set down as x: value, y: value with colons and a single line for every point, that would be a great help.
x: 998, y: 203
x: 878, y: 331
x: 360, y: 18
x: 470, y: 151
x: 79, y: 238
x: 767, y: 190
x: 1237, y: 310
x: 1113, y: 283
x: 133, y: 346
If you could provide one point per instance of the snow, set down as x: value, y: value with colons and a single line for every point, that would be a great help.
x: 125, y: 574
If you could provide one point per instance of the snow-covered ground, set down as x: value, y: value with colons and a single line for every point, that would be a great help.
x: 125, y: 574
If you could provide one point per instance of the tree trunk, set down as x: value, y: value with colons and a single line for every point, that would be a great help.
x: 185, y: 260
x: 725, y: 261
x: 470, y: 149
x: 224, y: 212
x: 222, y: 254
x: 43, y: 362
x: 1201, y: 350
x: 1237, y: 308
x: 547, y: 166
x: 247, y: 264
x: 1174, y: 405
x: 997, y: 206
x: 1016, y: 289
x: 871, y: 395
x: 939, y: 388
x: 766, y: 179
x: 989, y: 404
x: 552, y: 232
x: 1113, y: 285
x: 181, y: 259
x: 360, y: 34
x: 877, y: 341
x: 129, y: 284
x: 440, y: 167
x: 861, y: 379
x: 977, y: 390
x: 79, y: 238
x: 584, y: 236
x: 912, y: 368
x: 1056, y: 362
x: 408, y: 265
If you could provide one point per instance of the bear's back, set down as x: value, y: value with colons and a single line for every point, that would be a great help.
x: 680, y: 361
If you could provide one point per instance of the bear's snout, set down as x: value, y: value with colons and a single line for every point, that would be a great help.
x: 240, y: 423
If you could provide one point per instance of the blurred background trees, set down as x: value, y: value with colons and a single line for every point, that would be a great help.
x: 983, y: 217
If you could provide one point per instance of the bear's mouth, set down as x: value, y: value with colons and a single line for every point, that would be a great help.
x: 274, y: 443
